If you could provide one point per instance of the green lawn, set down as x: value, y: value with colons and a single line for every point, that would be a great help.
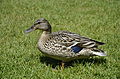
x: 97, y: 19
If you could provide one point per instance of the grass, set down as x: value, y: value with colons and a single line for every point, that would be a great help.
x: 97, y: 19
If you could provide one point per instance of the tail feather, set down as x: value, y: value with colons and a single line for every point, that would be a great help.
x: 98, y: 52
x: 99, y: 43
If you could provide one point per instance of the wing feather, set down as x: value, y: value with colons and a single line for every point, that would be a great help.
x: 70, y: 39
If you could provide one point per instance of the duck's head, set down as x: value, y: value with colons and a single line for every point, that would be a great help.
x: 41, y: 24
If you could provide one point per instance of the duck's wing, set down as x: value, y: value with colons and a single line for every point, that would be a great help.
x: 70, y: 39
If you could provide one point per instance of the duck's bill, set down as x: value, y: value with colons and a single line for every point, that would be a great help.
x: 29, y: 29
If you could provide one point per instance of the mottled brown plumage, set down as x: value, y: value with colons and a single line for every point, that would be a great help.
x: 64, y: 45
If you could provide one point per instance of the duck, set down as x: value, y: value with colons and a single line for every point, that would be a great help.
x: 64, y: 45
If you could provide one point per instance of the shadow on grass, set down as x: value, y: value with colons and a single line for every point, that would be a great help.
x: 54, y: 63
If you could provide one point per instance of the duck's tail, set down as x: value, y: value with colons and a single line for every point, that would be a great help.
x: 98, y: 52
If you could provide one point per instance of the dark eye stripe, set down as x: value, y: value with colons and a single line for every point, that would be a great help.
x: 37, y: 23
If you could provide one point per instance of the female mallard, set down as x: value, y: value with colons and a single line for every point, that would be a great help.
x: 64, y: 45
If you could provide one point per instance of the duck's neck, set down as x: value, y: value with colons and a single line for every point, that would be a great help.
x: 49, y: 30
x: 45, y: 35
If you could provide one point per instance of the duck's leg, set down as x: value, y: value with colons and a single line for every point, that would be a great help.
x: 62, y: 65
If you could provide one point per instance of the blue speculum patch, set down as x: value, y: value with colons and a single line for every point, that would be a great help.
x: 76, y: 49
